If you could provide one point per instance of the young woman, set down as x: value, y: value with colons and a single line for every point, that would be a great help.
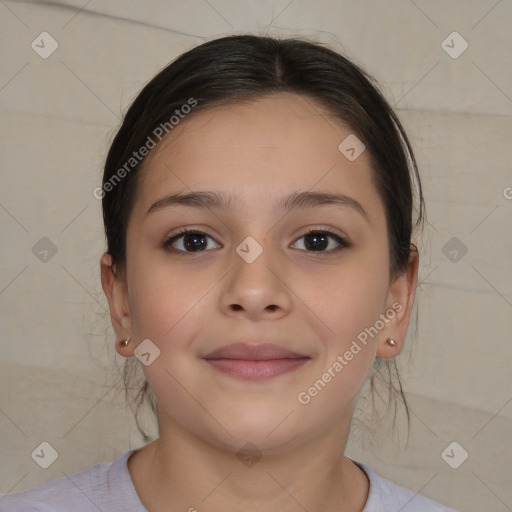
x: 259, y: 204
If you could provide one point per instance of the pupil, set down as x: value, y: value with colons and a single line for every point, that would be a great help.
x: 194, y: 236
x: 316, y: 237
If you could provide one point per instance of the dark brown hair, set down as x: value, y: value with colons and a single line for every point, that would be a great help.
x: 244, y: 67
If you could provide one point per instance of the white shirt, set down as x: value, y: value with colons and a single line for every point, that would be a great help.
x: 108, y: 487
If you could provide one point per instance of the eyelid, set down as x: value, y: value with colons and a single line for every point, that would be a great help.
x: 324, y: 228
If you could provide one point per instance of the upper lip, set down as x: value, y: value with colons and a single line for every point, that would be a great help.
x: 253, y: 352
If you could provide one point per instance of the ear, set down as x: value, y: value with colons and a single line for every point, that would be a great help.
x: 399, y: 303
x: 116, y: 290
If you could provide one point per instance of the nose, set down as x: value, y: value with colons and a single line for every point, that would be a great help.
x: 257, y: 290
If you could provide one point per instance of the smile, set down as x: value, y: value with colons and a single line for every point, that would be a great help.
x: 255, y: 361
x: 256, y: 370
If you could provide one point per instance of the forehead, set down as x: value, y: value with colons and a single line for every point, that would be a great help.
x: 257, y: 151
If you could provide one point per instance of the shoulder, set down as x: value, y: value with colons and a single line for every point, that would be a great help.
x: 101, y: 487
x: 385, y: 496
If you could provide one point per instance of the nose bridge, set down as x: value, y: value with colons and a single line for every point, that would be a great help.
x: 252, y: 260
x: 253, y: 283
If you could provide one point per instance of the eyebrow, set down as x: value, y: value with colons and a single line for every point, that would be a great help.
x: 221, y: 200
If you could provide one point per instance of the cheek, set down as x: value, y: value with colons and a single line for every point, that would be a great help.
x: 349, y: 302
x: 165, y: 299
x: 349, y: 348
x: 348, y: 297
x: 169, y: 309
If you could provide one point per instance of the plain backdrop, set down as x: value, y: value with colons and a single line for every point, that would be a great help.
x: 59, y: 113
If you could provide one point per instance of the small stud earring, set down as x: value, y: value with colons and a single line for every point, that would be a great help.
x: 125, y: 342
x: 391, y: 342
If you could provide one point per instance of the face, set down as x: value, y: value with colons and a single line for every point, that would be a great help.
x: 250, y: 273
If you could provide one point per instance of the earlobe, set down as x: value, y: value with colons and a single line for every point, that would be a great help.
x: 122, y: 348
x: 388, y: 348
x: 399, y: 301
x: 115, y: 289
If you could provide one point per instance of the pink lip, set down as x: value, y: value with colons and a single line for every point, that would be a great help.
x: 255, y: 362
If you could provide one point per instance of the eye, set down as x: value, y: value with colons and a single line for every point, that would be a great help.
x: 188, y: 241
x: 317, y: 240
x: 194, y: 241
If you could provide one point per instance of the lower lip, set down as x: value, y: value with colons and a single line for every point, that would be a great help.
x: 257, y: 370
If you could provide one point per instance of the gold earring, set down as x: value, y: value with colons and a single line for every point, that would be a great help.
x: 125, y: 342
x: 391, y: 342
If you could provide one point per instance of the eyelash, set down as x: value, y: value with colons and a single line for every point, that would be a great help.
x: 343, y: 243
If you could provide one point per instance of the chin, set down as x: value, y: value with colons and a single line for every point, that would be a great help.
x: 261, y: 433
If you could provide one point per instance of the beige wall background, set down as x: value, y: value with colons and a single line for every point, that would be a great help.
x: 57, y: 370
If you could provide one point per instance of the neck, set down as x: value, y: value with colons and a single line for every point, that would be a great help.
x: 180, y: 471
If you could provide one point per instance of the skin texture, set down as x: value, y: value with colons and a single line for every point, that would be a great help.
x: 311, y: 302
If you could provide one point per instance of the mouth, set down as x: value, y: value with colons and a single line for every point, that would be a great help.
x: 255, y: 361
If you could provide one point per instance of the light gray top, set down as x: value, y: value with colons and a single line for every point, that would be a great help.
x: 108, y: 487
